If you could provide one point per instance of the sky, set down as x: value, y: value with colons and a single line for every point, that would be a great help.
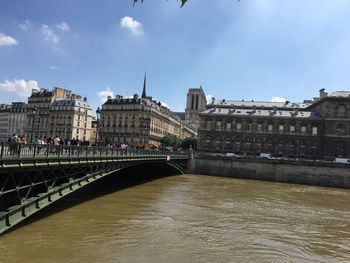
x: 258, y: 50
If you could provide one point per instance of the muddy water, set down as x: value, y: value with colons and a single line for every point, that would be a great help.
x: 188, y: 218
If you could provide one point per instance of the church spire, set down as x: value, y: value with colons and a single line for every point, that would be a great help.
x: 144, y: 88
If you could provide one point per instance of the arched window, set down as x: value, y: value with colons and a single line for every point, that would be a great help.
x: 341, y: 111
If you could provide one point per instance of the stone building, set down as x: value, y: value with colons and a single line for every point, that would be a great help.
x: 57, y: 113
x: 336, y: 118
x: 17, y: 118
x: 4, y: 120
x: 196, y: 102
x: 138, y: 121
x: 313, y: 129
x: 71, y: 118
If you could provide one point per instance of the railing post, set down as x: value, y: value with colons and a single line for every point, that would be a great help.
x: 2, y: 149
x: 69, y: 151
x: 86, y: 151
x: 18, y: 149
x: 34, y: 150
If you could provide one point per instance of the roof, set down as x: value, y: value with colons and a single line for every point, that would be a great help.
x: 263, y: 113
x: 78, y: 103
x: 340, y: 94
x: 260, y: 104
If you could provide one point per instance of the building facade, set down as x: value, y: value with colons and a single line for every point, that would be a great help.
x: 71, y: 118
x: 139, y: 121
x: 196, y: 102
x: 57, y: 113
x: 4, y: 121
x: 17, y: 118
x: 313, y: 129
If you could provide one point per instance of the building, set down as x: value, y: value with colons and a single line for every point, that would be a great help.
x: 139, y: 121
x: 57, y: 113
x: 196, y: 102
x: 4, y: 120
x: 313, y: 129
x: 17, y: 118
x: 71, y: 118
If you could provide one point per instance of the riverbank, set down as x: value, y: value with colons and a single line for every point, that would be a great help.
x: 297, y: 172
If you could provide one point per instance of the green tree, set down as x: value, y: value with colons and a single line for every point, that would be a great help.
x: 190, y: 141
x: 171, y: 140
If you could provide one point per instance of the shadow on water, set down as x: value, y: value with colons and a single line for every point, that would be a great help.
x: 117, y: 181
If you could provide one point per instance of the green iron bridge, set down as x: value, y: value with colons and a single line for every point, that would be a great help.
x: 35, y: 176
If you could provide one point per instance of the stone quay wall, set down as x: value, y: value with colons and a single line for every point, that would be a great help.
x: 297, y: 172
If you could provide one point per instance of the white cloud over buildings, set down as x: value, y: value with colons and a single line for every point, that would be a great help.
x: 103, y: 94
x: 20, y: 87
x: 278, y: 99
x: 7, y: 40
x: 134, y: 26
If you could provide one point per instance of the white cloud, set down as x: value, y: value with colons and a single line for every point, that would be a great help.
x: 7, y: 40
x: 278, y: 99
x: 63, y: 26
x: 134, y: 26
x: 164, y: 105
x: 49, y: 34
x: 209, y: 98
x: 103, y: 94
x: 19, y: 86
x: 24, y: 25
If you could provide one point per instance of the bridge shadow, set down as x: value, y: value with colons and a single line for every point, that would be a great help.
x: 117, y: 181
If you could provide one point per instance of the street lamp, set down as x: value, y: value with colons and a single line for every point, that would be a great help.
x: 98, y: 114
x: 34, y: 111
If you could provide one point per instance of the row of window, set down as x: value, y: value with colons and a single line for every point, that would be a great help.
x: 260, y: 128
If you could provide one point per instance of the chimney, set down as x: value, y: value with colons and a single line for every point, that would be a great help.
x: 323, y: 93
x: 109, y: 97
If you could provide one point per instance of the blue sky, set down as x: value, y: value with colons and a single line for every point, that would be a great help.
x: 251, y: 49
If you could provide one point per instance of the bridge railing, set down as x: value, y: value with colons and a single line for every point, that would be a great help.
x: 16, y: 150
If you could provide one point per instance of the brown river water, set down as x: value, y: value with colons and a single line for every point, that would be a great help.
x: 187, y: 218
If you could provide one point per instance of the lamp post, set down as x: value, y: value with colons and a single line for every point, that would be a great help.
x: 34, y: 112
x: 98, y: 114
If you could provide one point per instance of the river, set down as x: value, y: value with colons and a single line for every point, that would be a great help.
x: 187, y: 218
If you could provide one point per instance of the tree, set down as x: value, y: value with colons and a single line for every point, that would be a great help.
x: 189, y: 142
x: 182, y: 2
x: 171, y: 140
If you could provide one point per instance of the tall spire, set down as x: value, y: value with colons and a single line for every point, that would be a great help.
x: 144, y: 88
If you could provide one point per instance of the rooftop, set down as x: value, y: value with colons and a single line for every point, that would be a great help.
x: 259, y: 104
x: 263, y: 113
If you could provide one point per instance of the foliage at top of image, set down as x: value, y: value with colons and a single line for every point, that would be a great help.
x: 182, y: 2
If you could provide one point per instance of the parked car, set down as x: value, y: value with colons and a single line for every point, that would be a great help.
x: 234, y: 155
x: 266, y: 156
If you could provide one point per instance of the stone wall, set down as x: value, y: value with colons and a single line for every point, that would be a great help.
x: 310, y: 173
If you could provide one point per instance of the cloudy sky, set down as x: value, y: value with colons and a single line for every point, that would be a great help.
x: 248, y: 49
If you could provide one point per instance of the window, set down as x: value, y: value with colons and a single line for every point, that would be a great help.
x: 218, y: 125
x: 228, y: 126
x: 239, y: 126
x: 281, y: 128
x: 292, y: 128
x: 314, y: 130
x: 248, y: 127
x: 270, y: 127
x: 259, y: 128
x: 303, y: 129
x: 341, y: 112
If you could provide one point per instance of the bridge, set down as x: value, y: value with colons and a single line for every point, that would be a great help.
x: 35, y: 176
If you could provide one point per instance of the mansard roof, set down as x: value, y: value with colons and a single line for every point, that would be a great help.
x: 263, y: 113
x: 259, y: 104
x: 78, y: 103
